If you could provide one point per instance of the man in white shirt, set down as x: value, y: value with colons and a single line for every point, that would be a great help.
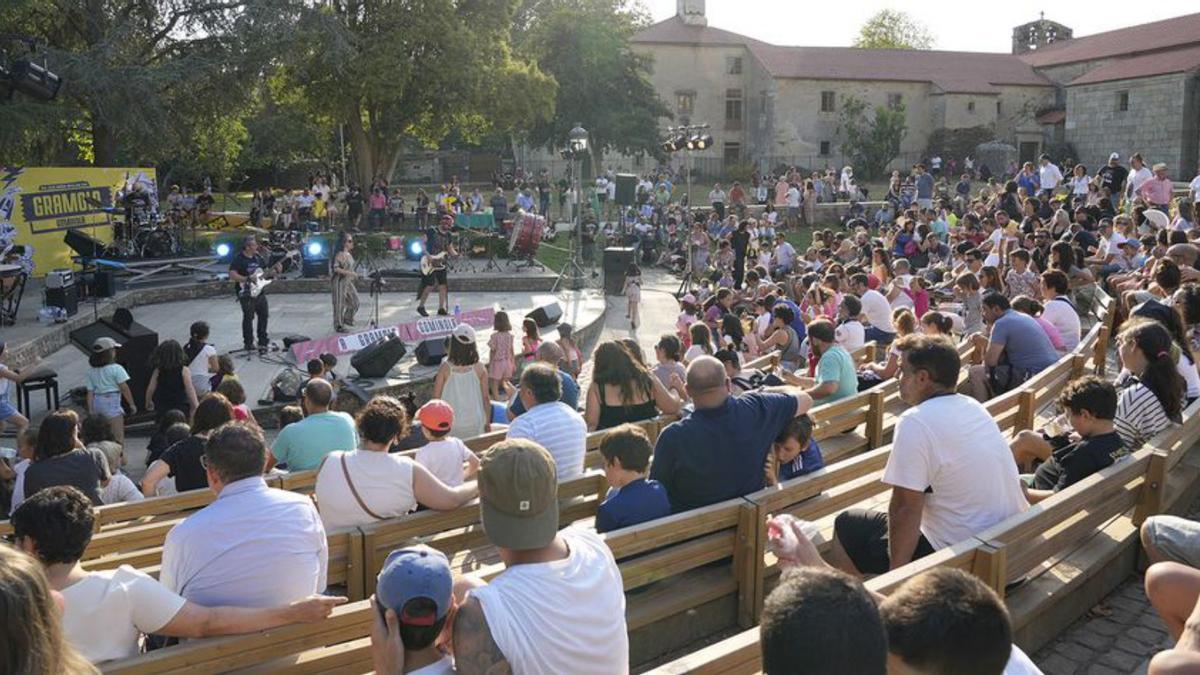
x: 1139, y: 173
x: 950, y: 469
x: 1058, y: 309
x: 785, y: 256
x: 254, y: 546
x: 792, y: 199
x: 559, y: 605
x: 876, y: 309
x: 105, y: 613
x: 716, y: 197
x: 1049, y: 176
x: 549, y: 422
x: 850, y: 332
x: 1194, y: 193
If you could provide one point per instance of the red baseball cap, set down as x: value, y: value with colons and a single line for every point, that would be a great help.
x: 436, y: 415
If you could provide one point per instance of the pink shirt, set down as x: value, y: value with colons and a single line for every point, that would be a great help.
x: 378, y: 201
x: 1157, y: 190
x: 1052, y: 333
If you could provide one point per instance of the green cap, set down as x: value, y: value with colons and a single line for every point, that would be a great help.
x: 518, y: 495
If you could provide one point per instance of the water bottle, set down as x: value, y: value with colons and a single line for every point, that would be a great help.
x: 457, y: 312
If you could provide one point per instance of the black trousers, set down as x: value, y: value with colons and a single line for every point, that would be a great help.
x: 250, y: 308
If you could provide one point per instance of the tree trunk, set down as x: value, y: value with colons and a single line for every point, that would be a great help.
x: 104, y: 145
x: 364, y: 152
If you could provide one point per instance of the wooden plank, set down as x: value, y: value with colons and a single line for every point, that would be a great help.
x: 875, y: 402
x: 1151, y: 500
x: 740, y: 654
x: 960, y: 556
x: 747, y: 558
x: 991, y: 566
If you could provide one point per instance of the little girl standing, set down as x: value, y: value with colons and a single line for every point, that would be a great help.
x: 500, y: 348
x: 531, y: 340
x: 107, y: 384
x: 633, y: 293
x: 687, y: 316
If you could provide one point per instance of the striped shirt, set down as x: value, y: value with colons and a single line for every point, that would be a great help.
x: 558, y: 429
x: 1140, y: 415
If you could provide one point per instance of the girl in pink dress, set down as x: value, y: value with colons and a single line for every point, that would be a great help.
x: 501, y: 362
x: 531, y: 340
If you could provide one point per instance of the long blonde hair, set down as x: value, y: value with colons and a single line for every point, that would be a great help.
x: 31, y: 635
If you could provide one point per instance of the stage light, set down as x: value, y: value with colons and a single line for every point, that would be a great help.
x: 704, y: 141
x: 416, y: 249
x: 223, y: 250
x: 314, y: 248
x: 33, y: 80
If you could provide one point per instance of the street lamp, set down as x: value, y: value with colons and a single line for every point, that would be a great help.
x: 577, y: 144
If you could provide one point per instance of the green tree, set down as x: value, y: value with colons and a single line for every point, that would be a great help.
x: 892, y: 29
x: 403, y: 72
x: 872, y: 139
x: 602, y: 83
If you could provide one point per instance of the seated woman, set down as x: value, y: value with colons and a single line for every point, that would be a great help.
x: 1150, y: 396
x: 624, y: 390
x: 361, y: 486
x: 904, y: 323
x: 182, y: 460
x: 937, y: 323
x: 784, y: 338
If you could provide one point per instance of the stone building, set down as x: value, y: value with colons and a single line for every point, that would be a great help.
x: 1133, y: 89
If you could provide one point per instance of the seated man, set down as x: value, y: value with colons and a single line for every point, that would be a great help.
x: 254, y: 546
x: 549, y: 422
x: 559, y: 604
x: 719, y: 451
x: 304, y: 444
x: 951, y: 472
x: 1017, y: 348
x: 105, y: 613
x: 551, y: 353
x: 1174, y: 589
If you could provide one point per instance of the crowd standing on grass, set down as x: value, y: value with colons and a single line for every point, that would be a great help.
x: 966, y: 295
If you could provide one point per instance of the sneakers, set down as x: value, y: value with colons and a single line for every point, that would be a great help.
x: 421, y: 310
x: 442, y: 311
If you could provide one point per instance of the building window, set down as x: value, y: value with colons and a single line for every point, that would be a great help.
x: 1123, y: 100
x: 970, y: 106
x: 733, y: 108
x: 733, y: 65
x: 828, y: 103
x: 894, y: 101
x: 733, y: 153
x: 824, y: 148
x: 997, y: 108
x: 685, y: 102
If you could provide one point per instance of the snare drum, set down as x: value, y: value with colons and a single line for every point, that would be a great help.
x: 7, y: 270
x: 526, y: 235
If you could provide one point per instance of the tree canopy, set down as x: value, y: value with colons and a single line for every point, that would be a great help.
x: 871, y: 138
x: 892, y: 29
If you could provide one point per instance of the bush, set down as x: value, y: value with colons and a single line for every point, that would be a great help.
x: 957, y: 143
x: 739, y: 172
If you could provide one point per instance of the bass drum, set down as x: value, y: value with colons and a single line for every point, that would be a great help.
x: 526, y: 236
x: 157, y: 243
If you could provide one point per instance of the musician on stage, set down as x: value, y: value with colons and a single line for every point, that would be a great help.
x: 437, y: 243
x: 246, y: 269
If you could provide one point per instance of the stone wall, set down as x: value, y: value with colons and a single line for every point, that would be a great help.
x: 1153, y: 124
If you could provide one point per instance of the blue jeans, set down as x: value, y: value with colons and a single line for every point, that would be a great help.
x: 882, y: 337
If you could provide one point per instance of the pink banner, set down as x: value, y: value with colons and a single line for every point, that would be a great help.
x: 411, y: 333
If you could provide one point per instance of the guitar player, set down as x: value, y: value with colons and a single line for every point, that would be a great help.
x: 243, y: 269
x: 437, y: 242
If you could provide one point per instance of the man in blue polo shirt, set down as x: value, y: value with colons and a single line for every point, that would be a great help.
x: 550, y: 353
x: 1018, y: 347
x: 718, y: 452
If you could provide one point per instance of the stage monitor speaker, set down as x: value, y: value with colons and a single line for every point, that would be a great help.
x: 289, y: 340
x: 137, y: 345
x: 83, y: 244
x: 377, y: 359
x: 431, y: 351
x: 626, y: 189
x: 66, y: 297
x: 616, y: 263
x: 104, y: 283
x: 546, y: 315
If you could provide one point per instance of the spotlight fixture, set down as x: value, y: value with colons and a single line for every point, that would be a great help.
x: 223, y: 250
x: 314, y: 248
x: 20, y: 74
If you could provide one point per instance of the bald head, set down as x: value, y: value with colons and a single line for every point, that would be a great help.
x: 707, y: 382
x: 549, y: 352
x: 1183, y: 253
x: 318, y: 393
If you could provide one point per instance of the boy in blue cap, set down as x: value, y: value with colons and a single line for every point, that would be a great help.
x: 414, y: 597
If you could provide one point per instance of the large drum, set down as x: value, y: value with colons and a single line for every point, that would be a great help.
x: 526, y: 236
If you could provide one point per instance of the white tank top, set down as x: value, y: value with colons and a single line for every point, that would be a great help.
x: 566, y: 616
x: 463, y: 394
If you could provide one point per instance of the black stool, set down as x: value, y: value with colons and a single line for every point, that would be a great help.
x: 47, y: 383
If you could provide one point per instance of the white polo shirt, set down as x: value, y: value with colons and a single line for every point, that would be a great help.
x: 558, y: 429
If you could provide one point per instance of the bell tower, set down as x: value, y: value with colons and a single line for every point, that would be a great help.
x: 1036, y: 34
x: 692, y: 12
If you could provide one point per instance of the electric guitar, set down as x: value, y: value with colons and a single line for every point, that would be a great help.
x: 259, y: 280
x: 433, y: 263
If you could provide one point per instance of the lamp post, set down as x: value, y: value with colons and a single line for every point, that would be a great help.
x: 577, y: 144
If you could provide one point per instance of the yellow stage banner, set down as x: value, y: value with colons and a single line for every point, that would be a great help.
x: 39, y: 204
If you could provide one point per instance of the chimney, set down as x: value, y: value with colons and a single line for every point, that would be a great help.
x: 692, y: 12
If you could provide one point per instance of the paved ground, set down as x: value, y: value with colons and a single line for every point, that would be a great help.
x: 1117, y: 636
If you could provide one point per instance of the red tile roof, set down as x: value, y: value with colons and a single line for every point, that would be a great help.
x: 953, y: 72
x: 1165, y: 34
x: 1159, y: 63
x: 1052, y: 117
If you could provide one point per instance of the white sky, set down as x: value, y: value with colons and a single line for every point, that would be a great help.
x: 961, y: 25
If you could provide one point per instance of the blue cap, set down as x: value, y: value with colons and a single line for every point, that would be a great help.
x: 415, y: 572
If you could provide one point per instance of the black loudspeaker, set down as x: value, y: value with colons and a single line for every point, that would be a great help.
x: 378, y: 358
x: 104, y: 283
x: 84, y: 245
x: 66, y: 297
x: 616, y: 262
x: 626, y: 189
x: 546, y: 315
x: 137, y: 344
x: 431, y: 351
x: 289, y: 340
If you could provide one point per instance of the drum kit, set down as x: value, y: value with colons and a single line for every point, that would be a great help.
x: 517, y: 239
x: 145, y: 234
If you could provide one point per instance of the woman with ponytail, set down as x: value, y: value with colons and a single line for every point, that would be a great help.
x: 1154, y: 393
